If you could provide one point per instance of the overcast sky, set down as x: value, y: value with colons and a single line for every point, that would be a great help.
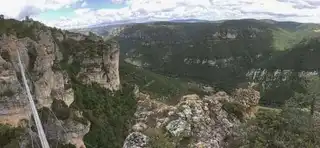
x: 82, y: 13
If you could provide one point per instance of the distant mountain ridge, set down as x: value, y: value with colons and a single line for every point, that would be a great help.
x: 103, y: 29
x: 188, y: 20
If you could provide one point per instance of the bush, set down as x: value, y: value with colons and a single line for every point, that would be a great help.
x: 8, y: 134
x: 235, y: 109
x: 289, y: 128
x: 159, y: 139
x: 110, y: 114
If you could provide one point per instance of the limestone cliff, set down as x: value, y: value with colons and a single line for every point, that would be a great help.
x: 42, y: 55
x: 267, y: 78
x: 102, y: 68
x: 194, y: 122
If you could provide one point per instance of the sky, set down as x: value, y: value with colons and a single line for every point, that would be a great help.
x: 67, y: 14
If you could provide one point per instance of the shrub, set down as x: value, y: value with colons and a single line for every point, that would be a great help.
x: 110, y: 114
x: 234, y: 108
x: 159, y: 139
x: 8, y: 134
x: 289, y: 128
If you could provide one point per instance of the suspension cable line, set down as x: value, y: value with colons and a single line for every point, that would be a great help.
x: 41, y: 134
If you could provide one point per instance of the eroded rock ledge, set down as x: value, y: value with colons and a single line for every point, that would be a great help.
x: 206, y: 122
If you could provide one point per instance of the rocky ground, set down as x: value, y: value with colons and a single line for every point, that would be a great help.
x: 194, y: 122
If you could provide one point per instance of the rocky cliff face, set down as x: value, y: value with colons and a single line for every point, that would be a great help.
x: 194, y: 122
x: 14, y: 103
x: 267, y: 79
x: 102, y: 69
x: 260, y: 75
x: 50, y: 86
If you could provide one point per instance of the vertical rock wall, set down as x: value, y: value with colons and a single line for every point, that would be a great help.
x: 48, y: 84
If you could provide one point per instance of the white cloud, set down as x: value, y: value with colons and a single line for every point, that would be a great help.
x: 118, y: 1
x: 82, y: 11
x: 216, y: 10
x: 21, y: 8
x: 56, y: 4
x: 84, y: 4
x: 144, y: 10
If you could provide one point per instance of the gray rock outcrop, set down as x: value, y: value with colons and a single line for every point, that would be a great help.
x: 102, y: 69
x: 136, y: 140
x: 13, y: 101
x: 70, y: 131
x: 207, y: 121
x: 268, y: 78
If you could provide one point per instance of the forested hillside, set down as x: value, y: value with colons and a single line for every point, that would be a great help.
x: 279, y: 59
x: 219, y: 54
